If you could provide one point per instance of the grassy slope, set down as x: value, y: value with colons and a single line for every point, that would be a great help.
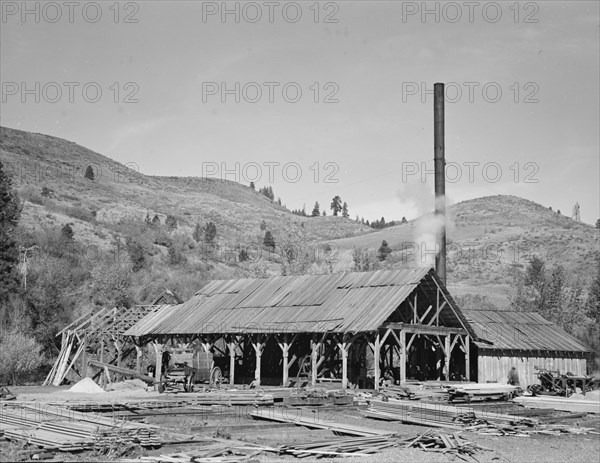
x: 119, y: 193
x: 490, y: 234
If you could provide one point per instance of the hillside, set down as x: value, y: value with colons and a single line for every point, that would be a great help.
x: 119, y: 194
x: 487, y: 237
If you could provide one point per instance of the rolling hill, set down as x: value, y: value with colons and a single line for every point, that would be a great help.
x: 487, y: 236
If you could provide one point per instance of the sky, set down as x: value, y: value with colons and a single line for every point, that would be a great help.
x: 318, y: 99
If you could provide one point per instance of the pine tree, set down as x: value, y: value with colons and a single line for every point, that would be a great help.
x: 263, y: 225
x: 252, y: 185
x: 147, y: 220
x: 10, y: 211
x: 67, y: 231
x: 383, y: 251
x: 324, y: 213
x: 403, y: 219
x: 315, y: 211
x: 336, y: 205
x: 156, y: 220
x: 268, y: 240
x: 345, y: 210
x: 89, y: 173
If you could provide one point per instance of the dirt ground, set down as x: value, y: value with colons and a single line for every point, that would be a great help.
x: 236, y: 424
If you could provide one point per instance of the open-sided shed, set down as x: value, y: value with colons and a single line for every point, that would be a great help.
x: 346, y: 326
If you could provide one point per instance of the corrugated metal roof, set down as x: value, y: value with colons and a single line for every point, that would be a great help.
x: 520, y: 331
x: 341, y: 302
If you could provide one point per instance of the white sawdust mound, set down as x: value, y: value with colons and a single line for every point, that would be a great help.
x: 87, y: 386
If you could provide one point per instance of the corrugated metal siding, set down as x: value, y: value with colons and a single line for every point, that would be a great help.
x: 343, y: 302
x: 520, y: 331
x: 495, y: 368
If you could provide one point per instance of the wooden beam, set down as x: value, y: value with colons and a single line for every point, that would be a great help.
x: 425, y: 314
x: 467, y: 345
x: 158, y: 349
x: 377, y: 348
x: 448, y: 352
x: 258, y: 349
x: 232, y: 346
x: 344, y: 347
x: 313, y: 357
x: 138, y: 359
x: 436, y: 317
x: 84, y: 365
x: 403, y: 353
x: 424, y: 329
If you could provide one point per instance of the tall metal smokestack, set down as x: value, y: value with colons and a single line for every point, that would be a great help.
x: 440, y: 167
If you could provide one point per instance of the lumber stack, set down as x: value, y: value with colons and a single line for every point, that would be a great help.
x: 68, y: 430
x: 315, y: 420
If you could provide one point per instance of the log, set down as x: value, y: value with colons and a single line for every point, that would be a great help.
x: 122, y: 371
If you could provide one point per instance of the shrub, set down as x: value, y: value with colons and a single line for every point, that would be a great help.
x: 19, y: 354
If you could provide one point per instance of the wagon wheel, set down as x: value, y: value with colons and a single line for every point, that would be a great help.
x: 216, y: 377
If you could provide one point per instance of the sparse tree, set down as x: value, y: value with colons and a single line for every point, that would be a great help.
x: 243, y: 255
x: 324, y: 213
x: 345, y: 210
x: 47, y: 192
x: 316, y: 212
x: 67, y: 231
x: 268, y: 240
x: 198, y: 233
x: 19, y: 354
x: 147, y: 220
x: 89, y: 173
x: 171, y: 222
x: 384, y: 251
x: 136, y: 253
x: 558, y: 212
x: 336, y: 205
x: 263, y: 226
x: 156, y: 220
x: 598, y: 224
x: 362, y: 260
x: 252, y: 186
x: 111, y: 285
x: 403, y: 219
x: 210, y: 233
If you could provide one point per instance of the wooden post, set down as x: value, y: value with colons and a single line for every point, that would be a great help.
x: 138, y: 359
x: 448, y: 352
x: 119, y: 349
x: 232, y: 347
x: 403, y: 356
x: 344, y: 346
x: 258, y: 348
x: 84, y: 365
x: 377, y: 354
x: 158, y: 348
x: 467, y: 358
x: 314, y: 365
x: 102, y: 379
x: 285, y: 352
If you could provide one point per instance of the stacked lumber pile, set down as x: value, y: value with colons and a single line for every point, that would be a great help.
x: 450, y: 444
x: 62, y: 429
x: 397, y: 392
x: 313, y: 420
x: 219, y: 455
x: 234, y: 397
x: 319, y: 396
x: 355, y: 446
